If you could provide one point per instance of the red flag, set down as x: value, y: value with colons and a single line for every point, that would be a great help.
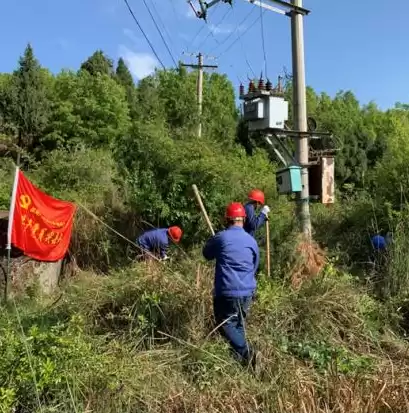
x: 40, y: 224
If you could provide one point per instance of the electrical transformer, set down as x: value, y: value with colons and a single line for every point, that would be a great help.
x: 265, y: 112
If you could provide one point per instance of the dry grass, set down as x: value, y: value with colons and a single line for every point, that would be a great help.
x: 161, y: 354
x: 310, y: 261
x: 174, y: 381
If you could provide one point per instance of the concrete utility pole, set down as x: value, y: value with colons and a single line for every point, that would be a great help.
x: 295, y: 10
x: 300, y: 114
x: 200, y: 92
x: 200, y: 66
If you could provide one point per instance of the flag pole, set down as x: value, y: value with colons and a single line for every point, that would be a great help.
x: 10, y: 228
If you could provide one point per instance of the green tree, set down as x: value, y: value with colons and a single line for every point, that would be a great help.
x: 160, y: 170
x: 124, y: 78
x: 88, y: 110
x: 123, y: 75
x: 343, y: 117
x: 7, y: 127
x: 391, y: 176
x: 170, y: 96
x: 99, y: 63
x: 173, y: 93
x: 378, y: 128
x: 220, y: 114
x: 401, y: 106
x: 148, y: 102
x: 30, y: 104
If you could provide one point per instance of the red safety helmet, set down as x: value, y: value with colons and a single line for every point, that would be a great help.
x: 256, y: 195
x: 175, y: 233
x: 235, y: 210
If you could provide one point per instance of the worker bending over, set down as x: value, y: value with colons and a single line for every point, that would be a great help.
x: 379, y: 250
x: 378, y: 242
x: 156, y: 241
x: 253, y: 221
x: 237, y: 258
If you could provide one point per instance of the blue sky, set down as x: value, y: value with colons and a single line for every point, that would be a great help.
x: 350, y: 44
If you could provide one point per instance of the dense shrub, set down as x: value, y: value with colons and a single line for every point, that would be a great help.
x: 138, y: 339
x: 160, y: 172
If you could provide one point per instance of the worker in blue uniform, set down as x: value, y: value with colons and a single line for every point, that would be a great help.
x: 378, y: 257
x: 156, y: 241
x: 378, y: 243
x: 253, y: 221
x: 237, y: 259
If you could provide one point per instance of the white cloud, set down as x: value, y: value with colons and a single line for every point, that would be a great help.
x: 140, y: 64
x: 130, y: 34
x: 220, y: 29
x: 224, y: 29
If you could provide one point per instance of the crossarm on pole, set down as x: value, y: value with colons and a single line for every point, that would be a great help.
x: 285, y: 8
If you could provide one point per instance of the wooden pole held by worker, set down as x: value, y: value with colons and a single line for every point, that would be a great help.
x: 199, y: 200
x: 268, y: 248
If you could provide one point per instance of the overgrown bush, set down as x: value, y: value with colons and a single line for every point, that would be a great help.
x: 160, y: 171
x: 89, y: 178
x: 41, y: 366
x: 6, y: 183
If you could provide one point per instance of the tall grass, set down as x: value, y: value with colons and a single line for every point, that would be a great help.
x: 396, y: 268
x: 143, y: 340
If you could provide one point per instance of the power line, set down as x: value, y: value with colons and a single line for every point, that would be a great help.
x: 201, y: 29
x: 160, y: 33
x: 177, y: 18
x: 247, y: 29
x: 243, y: 49
x: 246, y: 58
x: 197, y: 33
x: 215, y: 26
x: 173, y: 7
x: 236, y: 73
x: 262, y: 40
x: 163, y: 25
x: 235, y: 30
x: 144, y: 34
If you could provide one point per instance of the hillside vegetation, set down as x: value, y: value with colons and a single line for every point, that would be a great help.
x: 139, y: 337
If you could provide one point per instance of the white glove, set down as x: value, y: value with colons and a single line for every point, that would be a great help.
x: 265, y: 210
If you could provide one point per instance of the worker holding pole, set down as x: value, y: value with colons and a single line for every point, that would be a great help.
x: 237, y: 259
x: 254, y: 221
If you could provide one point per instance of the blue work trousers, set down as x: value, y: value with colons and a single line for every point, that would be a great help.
x: 230, y: 314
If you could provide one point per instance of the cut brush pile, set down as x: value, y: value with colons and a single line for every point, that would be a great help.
x: 310, y: 260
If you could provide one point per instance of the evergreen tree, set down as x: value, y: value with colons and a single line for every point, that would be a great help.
x: 124, y: 78
x: 123, y: 74
x: 30, y: 106
x: 98, y: 63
